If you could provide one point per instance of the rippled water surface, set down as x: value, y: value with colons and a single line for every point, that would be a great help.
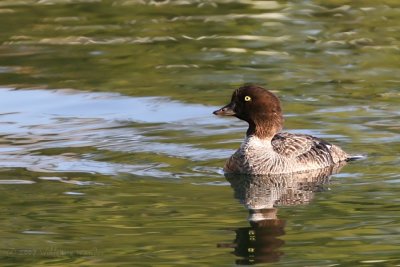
x: 110, y: 154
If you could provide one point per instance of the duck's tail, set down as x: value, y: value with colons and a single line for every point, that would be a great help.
x: 355, y: 157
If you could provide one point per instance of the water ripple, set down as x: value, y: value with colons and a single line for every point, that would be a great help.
x: 16, y: 182
x: 36, y: 121
x: 86, y: 40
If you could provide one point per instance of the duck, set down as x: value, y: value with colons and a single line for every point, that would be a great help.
x: 267, y: 150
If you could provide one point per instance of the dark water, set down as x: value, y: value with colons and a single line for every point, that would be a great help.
x: 109, y: 153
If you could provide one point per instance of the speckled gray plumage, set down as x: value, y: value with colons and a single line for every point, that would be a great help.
x: 285, y: 153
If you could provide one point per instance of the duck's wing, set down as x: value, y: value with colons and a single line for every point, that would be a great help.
x: 307, y: 148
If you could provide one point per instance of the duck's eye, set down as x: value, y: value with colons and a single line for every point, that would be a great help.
x: 247, y: 98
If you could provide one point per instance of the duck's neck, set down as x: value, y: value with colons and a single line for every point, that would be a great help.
x: 254, y: 143
x: 265, y: 128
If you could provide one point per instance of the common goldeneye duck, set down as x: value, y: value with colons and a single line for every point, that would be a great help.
x: 265, y: 150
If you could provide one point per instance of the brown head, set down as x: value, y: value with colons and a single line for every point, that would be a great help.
x: 257, y: 106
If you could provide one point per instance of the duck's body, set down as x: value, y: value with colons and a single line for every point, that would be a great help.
x: 285, y: 153
x: 267, y: 151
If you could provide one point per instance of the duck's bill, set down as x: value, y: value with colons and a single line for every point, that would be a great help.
x: 225, y: 111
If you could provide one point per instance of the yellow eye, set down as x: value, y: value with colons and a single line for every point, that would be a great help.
x: 247, y: 98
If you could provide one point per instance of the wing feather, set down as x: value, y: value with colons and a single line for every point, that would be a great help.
x: 303, y: 147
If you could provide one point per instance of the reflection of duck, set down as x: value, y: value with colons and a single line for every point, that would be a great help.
x: 265, y: 150
x: 261, y: 195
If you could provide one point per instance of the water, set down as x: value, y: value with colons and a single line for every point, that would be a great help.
x: 110, y: 154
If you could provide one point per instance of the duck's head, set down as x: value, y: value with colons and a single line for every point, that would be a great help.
x: 257, y: 106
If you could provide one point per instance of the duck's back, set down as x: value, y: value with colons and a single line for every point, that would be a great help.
x: 307, y: 149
